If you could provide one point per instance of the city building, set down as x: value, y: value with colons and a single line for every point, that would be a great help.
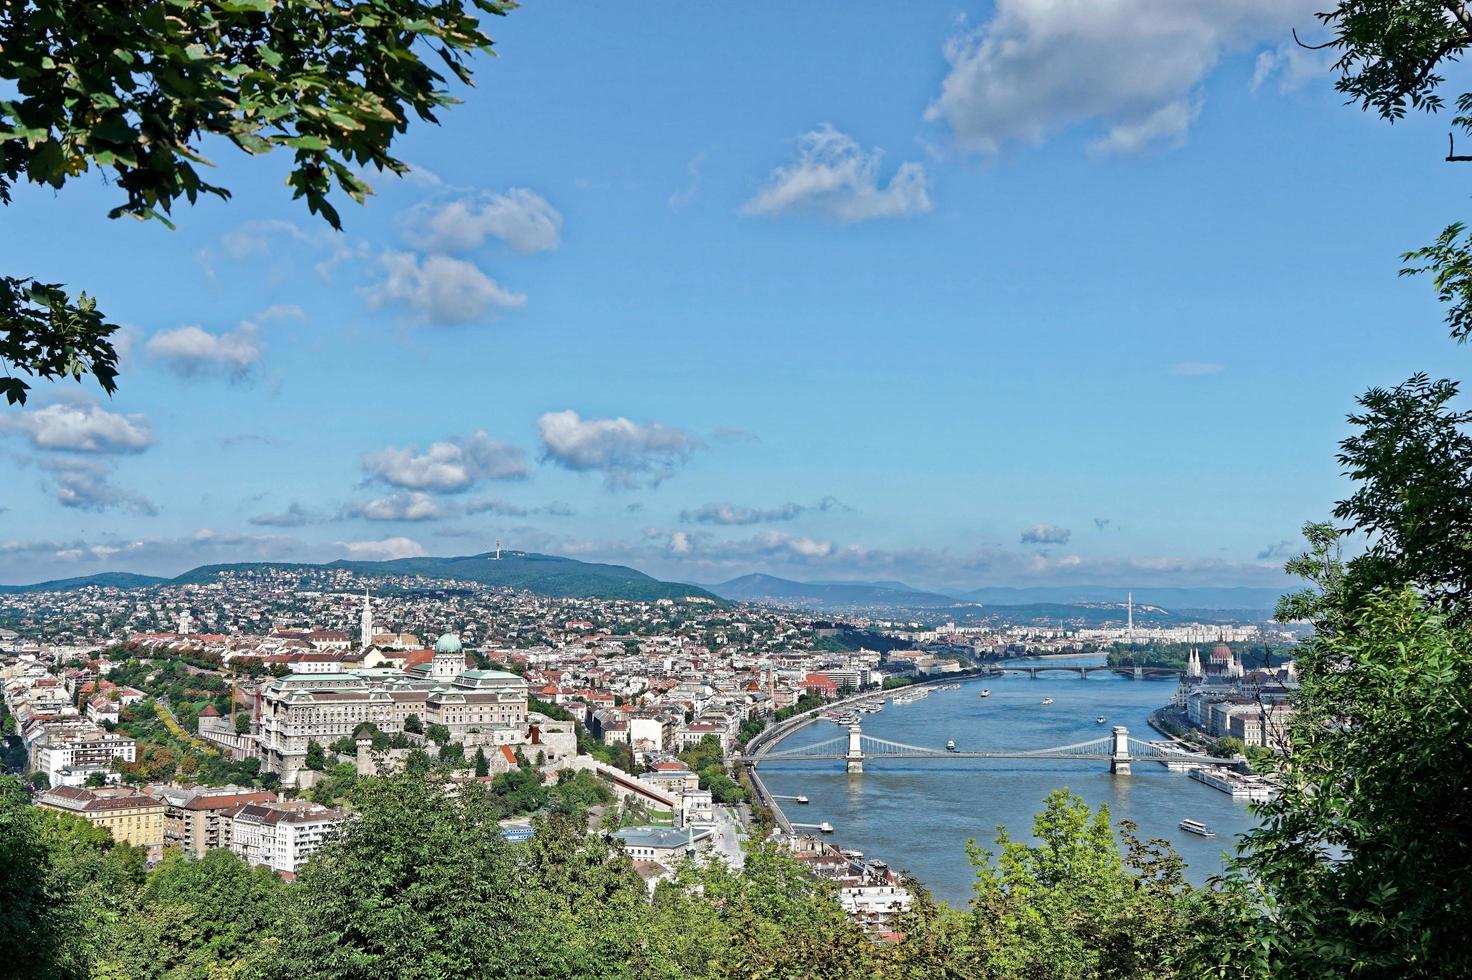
x: 281, y: 835
x: 127, y: 814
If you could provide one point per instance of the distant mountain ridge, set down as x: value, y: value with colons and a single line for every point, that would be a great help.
x: 549, y: 575
x: 757, y: 587
x: 116, y: 580
x: 1168, y: 597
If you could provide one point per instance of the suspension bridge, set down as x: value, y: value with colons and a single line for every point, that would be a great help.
x: 1118, y: 748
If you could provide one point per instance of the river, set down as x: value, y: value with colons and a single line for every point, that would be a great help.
x: 918, y: 815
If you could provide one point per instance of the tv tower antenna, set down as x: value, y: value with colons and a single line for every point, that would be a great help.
x: 498, y: 549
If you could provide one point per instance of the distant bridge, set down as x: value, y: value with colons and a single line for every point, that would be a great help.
x: 1085, y: 671
x: 1118, y: 748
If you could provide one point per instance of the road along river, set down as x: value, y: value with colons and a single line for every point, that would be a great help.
x: 918, y: 814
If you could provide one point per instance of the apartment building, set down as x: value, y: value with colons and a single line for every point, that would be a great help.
x: 127, y: 814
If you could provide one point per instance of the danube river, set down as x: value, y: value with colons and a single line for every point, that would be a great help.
x: 917, y: 815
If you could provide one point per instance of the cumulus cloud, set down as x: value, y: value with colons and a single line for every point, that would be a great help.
x: 86, y: 484
x: 775, y: 545
x: 737, y: 515
x: 295, y: 515
x: 387, y: 549
x: 1132, y: 67
x: 258, y: 236
x: 504, y: 508
x: 1292, y: 65
x: 402, y: 505
x: 1278, y: 551
x: 450, y: 466
x: 439, y: 289
x: 626, y: 453
x: 191, y: 351
x: 81, y: 428
x: 835, y: 177
x: 520, y: 218
x: 1046, y: 534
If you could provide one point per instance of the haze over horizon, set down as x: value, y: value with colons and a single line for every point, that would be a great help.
x: 962, y: 315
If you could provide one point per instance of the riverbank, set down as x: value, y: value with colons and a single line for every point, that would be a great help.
x: 767, y: 739
x: 917, y: 815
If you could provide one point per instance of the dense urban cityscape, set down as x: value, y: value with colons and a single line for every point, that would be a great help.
x: 825, y: 491
x: 246, y: 724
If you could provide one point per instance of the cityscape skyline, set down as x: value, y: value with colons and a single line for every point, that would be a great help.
x: 996, y: 343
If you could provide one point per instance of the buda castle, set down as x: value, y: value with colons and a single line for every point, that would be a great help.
x: 477, y: 707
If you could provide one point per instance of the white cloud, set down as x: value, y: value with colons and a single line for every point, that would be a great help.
x: 294, y: 515
x: 520, y: 218
x: 257, y: 236
x: 190, y: 351
x: 504, y: 508
x: 439, y: 289
x: 1046, y: 534
x: 1165, y: 127
x: 447, y: 467
x: 387, y: 549
x: 836, y: 177
x: 626, y: 453
x: 86, y: 484
x: 738, y: 515
x: 403, y: 505
x: 1039, y: 66
x: 81, y: 428
x: 1292, y: 65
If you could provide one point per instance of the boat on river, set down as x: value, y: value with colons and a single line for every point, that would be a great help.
x: 1197, y: 827
x: 950, y: 745
x: 986, y: 692
x: 1101, y: 719
x: 1047, y: 700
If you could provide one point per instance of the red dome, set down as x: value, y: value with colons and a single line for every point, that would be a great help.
x: 1221, y: 652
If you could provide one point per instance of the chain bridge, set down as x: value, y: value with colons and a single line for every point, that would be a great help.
x: 1118, y: 748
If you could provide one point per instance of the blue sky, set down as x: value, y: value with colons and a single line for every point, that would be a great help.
x: 1017, y: 294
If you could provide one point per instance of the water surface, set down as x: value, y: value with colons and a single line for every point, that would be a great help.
x: 917, y: 815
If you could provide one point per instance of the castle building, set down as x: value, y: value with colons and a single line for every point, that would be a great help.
x: 476, y: 706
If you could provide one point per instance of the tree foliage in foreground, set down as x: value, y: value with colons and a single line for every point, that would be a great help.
x: 138, y: 91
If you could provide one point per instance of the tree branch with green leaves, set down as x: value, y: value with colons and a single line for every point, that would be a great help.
x: 135, y: 89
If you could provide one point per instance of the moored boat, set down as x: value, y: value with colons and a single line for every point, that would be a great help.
x: 950, y: 745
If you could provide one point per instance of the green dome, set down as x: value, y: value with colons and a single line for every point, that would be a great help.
x: 447, y: 643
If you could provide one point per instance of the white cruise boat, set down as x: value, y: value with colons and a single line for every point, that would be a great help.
x: 1047, y: 700
x: 1197, y: 827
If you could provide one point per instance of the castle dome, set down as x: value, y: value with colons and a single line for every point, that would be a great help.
x: 1221, y: 652
x: 447, y: 643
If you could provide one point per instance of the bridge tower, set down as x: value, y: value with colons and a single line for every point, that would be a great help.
x: 855, y: 755
x: 1119, y: 759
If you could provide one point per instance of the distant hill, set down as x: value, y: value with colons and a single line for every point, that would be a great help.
x: 1236, y: 597
x: 827, y: 595
x: 115, y: 580
x: 547, y: 575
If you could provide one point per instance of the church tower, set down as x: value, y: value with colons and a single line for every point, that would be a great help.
x: 366, y: 628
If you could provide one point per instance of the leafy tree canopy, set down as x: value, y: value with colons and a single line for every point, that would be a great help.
x: 139, y: 91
